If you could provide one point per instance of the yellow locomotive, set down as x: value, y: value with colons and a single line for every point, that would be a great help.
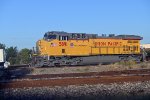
x: 62, y: 48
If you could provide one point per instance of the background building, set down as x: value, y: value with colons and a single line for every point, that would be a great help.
x: 146, y: 46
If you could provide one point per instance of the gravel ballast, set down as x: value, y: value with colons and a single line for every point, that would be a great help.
x: 124, y: 91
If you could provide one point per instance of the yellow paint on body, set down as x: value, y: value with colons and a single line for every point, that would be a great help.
x: 88, y: 47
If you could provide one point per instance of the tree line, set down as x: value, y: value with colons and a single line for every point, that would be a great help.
x: 15, y: 56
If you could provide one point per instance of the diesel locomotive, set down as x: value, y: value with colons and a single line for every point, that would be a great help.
x: 61, y: 48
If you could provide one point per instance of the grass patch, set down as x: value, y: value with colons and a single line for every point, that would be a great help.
x: 78, y: 70
x: 143, y: 65
x: 86, y: 69
x: 126, y: 64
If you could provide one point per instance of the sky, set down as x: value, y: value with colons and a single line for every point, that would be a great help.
x: 23, y: 22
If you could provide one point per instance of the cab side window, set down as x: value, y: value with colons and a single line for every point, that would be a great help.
x: 63, y: 38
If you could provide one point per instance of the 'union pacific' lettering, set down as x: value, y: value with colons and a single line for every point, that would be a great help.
x: 108, y: 43
x: 100, y: 43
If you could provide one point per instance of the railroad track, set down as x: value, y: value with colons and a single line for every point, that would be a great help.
x: 76, y: 79
x: 77, y: 75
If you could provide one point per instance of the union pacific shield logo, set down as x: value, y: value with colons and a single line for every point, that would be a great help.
x: 71, y: 45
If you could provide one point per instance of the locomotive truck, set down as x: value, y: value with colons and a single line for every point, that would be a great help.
x: 58, y: 48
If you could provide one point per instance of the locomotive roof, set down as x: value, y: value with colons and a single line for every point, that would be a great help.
x: 87, y: 36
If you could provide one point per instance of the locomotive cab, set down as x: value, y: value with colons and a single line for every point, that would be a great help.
x: 48, y: 36
x: 56, y: 35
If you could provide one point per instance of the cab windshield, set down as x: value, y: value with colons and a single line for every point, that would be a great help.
x: 49, y: 36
